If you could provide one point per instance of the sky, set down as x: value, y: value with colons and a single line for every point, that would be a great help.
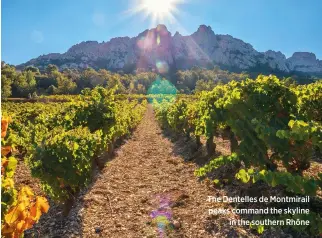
x: 30, y: 28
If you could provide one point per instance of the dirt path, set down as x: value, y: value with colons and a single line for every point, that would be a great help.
x: 148, y: 172
x: 144, y: 173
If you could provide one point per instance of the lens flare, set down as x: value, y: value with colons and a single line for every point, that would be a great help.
x: 162, y: 217
x: 158, y: 7
x: 159, y: 11
x: 162, y: 67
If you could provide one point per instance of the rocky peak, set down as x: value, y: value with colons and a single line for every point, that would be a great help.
x: 177, y: 34
x: 155, y: 48
x: 162, y: 28
x: 276, y: 60
x: 83, y: 44
x: 204, y: 31
x: 304, y: 62
x: 204, y: 28
x: 153, y: 38
x: 120, y: 39
x: 275, y: 54
x: 83, y: 48
x: 304, y: 55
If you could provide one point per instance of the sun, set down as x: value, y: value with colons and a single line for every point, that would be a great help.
x: 159, y: 11
x: 159, y: 8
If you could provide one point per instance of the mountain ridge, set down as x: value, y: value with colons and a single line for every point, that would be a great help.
x: 156, y: 49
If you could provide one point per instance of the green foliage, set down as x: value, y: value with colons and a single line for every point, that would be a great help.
x: 198, y: 79
x: 302, y: 138
x: 8, y: 191
x: 293, y: 183
x: 97, y: 111
x: 6, y: 89
x: 262, y: 113
x: 266, y: 120
x: 51, y: 90
x: 63, y: 140
x: 217, y: 163
x: 32, y: 69
x: 176, y: 116
x: 202, y: 85
x: 161, y: 110
x: 8, y: 76
x: 19, y: 211
x: 310, y: 100
x: 63, y: 162
x: 25, y: 83
x: 64, y: 85
x: 51, y: 68
x: 70, y: 81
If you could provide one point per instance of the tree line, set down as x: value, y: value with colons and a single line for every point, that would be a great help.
x: 31, y: 82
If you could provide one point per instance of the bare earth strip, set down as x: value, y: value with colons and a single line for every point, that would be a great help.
x: 147, y: 172
x: 143, y: 173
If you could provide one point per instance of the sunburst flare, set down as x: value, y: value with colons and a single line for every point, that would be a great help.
x: 159, y: 11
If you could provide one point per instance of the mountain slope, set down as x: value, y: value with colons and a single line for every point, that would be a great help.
x: 156, y: 49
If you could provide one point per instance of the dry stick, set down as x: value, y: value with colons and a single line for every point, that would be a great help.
x: 109, y: 201
x: 38, y: 230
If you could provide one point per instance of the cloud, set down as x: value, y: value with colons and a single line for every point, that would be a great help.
x: 98, y: 19
x: 37, y: 36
